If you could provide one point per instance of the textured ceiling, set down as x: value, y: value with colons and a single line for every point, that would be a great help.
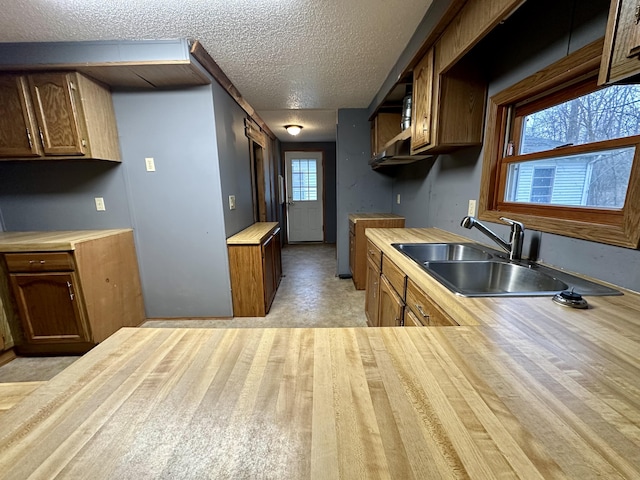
x: 293, y: 60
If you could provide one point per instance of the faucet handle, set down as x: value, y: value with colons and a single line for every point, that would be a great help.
x: 517, y: 226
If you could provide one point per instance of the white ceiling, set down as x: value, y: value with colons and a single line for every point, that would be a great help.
x: 294, y: 61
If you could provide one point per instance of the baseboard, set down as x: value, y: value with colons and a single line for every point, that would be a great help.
x: 7, y: 356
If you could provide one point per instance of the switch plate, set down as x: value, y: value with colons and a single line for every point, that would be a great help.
x: 471, y: 210
x: 232, y: 202
x: 100, y: 204
x: 150, y: 164
x: 398, y: 199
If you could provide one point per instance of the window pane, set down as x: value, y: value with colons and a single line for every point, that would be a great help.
x: 613, y: 112
x: 304, y: 180
x: 597, y: 179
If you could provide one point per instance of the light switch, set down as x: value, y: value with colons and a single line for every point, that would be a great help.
x: 398, y: 199
x: 150, y: 164
x: 232, y: 202
x: 100, y: 204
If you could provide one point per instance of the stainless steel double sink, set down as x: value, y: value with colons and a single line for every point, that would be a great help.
x: 472, y: 270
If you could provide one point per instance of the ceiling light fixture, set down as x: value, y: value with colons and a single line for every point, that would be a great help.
x: 293, y: 129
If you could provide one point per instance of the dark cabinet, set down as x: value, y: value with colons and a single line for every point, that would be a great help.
x: 50, y: 309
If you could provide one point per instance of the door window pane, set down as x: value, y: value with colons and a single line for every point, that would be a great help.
x: 304, y: 180
x: 596, y: 179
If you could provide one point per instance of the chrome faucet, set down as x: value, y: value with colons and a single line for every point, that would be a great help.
x: 513, y: 247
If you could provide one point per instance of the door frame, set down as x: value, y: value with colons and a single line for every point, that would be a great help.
x: 285, y: 210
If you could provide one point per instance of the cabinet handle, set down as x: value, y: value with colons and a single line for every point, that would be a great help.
x: 422, y: 312
x: 29, y: 138
x: 41, y: 262
x: 424, y: 125
x: 41, y: 136
x: 71, y: 294
x: 637, y: 15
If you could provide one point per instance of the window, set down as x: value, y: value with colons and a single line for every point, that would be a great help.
x: 561, y: 153
x: 304, y: 180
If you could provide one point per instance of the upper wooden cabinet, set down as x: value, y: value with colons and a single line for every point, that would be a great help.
x: 422, y: 100
x: 384, y: 127
x: 448, y: 106
x: 56, y: 115
x: 621, y: 53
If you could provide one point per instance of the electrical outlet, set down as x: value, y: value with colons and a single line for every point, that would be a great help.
x: 471, y: 211
x: 232, y: 202
x: 398, y: 199
x: 150, y: 164
x: 100, y: 204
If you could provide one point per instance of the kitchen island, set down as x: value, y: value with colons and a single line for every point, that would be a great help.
x: 524, y: 388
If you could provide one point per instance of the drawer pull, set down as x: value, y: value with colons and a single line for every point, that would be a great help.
x: 41, y: 262
x: 70, y: 287
x: 422, y: 312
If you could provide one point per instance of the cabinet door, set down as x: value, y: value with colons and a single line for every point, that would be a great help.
x: 277, y: 250
x: 425, y: 309
x: 269, y: 271
x: 422, y: 102
x: 54, y: 98
x: 18, y: 130
x: 410, y: 320
x: 372, y: 293
x: 390, y: 305
x: 50, y: 307
x: 621, y: 42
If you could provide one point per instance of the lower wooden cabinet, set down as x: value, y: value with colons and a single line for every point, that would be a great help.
x: 372, y: 293
x: 424, y: 310
x: 390, y: 306
x: 68, y: 301
x: 392, y: 299
x: 358, y: 223
x: 50, y: 309
x: 255, y: 267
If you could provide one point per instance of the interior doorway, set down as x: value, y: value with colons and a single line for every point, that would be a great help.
x: 305, y: 196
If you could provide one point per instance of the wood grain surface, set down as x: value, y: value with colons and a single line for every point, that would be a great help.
x: 543, y: 399
x: 254, y: 234
x: 51, y: 241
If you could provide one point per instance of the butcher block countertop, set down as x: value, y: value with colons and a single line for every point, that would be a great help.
x: 501, y: 310
x: 526, y: 389
x: 354, y: 217
x: 57, y: 241
x: 253, y: 235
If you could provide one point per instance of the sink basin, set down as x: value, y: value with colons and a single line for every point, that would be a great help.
x: 472, y: 270
x: 439, y: 252
x: 495, y: 278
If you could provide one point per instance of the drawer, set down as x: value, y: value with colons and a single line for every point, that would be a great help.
x: 39, y: 262
x: 374, y: 254
x: 427, y: 312
x: 396, y: 277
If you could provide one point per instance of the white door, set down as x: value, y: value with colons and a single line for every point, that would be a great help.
x: 304, y: 196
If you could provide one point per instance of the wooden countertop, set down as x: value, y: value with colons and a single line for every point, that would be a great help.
x: 253, y: 235
x: 496, y: 310
x: 51, y: 241
x: 354, y: 217
x: 528, y: 399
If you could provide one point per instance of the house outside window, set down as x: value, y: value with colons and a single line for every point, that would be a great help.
x: 562, y: 153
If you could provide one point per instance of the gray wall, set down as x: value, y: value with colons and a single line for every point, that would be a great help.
x: 329, y: 151
x: 235, y: 161
x: 436, y: 193
x: 359, y: 188
x: 177, y: 210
